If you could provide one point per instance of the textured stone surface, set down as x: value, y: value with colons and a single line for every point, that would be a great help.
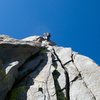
x: 36, y: 70
x: 12, y: 57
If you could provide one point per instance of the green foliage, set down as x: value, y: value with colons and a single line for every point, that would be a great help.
x: 16, y: 92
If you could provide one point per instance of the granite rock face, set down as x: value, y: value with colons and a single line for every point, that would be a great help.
x: 36, y: 69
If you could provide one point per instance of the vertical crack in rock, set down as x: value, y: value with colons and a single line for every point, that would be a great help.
x: 80, y: 76
x: 48, y: 75
x: 47, y: 83
x: 59, y: 92
x: 67, y: 86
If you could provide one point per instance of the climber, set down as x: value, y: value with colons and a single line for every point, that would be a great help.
x: 47, y: 36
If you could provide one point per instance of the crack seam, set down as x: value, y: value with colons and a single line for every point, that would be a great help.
x: 47, y: 83
x: 73, y: 57
x: 66, y: 73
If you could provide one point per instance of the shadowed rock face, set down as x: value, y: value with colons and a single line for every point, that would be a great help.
x: 40, y: 70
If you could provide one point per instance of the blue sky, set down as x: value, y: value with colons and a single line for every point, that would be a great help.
x: 73, y: 23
